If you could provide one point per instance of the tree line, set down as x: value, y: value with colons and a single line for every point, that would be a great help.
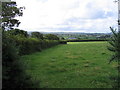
x: 27, y: 44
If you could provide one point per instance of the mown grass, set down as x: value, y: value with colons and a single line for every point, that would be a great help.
x: 75, y: 65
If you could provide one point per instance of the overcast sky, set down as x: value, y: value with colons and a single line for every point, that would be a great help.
x: 68, y: 15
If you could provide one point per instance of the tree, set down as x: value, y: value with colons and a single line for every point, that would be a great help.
x: 18, y: 32
x: 37, y: 35
x: 62, y: 38
x: 115, y: 48
x: 115, y: 45
x: 8, y: 14
x: 51, y: 37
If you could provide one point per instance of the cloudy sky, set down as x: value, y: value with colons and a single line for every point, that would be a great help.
x: 68, y: 15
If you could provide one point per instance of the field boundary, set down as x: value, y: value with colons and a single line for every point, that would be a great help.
x: 84, y: 40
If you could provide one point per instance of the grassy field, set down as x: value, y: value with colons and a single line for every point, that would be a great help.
x: 74, y: 65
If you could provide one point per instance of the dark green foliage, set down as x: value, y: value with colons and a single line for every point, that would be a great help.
x: 51, y: 37
x: 8, y: 47
x: 62, y: 38
x: 84, y: 40
x: 9, y: 11
x: 18, y: 32
x: 27, y: 45
x: 13, y: 69
x: 115, y: 45
x: 14, y: 75
x: 37, y: 35
x: 116, y: 80
x: 115, y: 48
x: 118, y: 22
x: 30, y: 45
x: 63, y: 42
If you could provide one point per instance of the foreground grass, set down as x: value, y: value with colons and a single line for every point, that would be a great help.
x: 75, y: 65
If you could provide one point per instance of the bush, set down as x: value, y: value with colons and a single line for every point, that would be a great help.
x: 115, y: 46
x: 63, y: 42
x: 37, y: 35
x: 17, y: 32
x: 30, y: 45
x: 13, y: 72
x: 14, y: 75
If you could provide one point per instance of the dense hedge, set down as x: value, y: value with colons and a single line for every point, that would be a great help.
x: 14, y: 74
x: 63, y: 42
x: 77, y: 40
x: 13, y: 70
x: 30, y: 45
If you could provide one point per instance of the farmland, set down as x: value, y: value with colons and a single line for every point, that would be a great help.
x: 72, y: 65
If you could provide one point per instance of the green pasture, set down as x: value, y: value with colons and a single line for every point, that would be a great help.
x: 72, y: 65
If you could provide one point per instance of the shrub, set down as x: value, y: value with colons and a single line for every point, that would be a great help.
x: 13, y: 72
x: 115, y: 46
x: 27, y: 45
x: 14, y: 75
x: 18, y: 32
x: 30, y: 45
x: 37, y: 35
x: 63, y: 42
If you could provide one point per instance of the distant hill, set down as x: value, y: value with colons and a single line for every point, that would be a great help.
x: 82, y: 33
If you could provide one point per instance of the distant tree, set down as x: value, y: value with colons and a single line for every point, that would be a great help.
x: 78, y: 38
x: 51, y: 37
x: 37, y: 35
x: 62, y: 38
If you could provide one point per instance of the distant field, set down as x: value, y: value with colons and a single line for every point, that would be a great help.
x: 75, y: 65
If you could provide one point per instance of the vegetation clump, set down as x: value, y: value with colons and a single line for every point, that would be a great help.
x: 115, y: 48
